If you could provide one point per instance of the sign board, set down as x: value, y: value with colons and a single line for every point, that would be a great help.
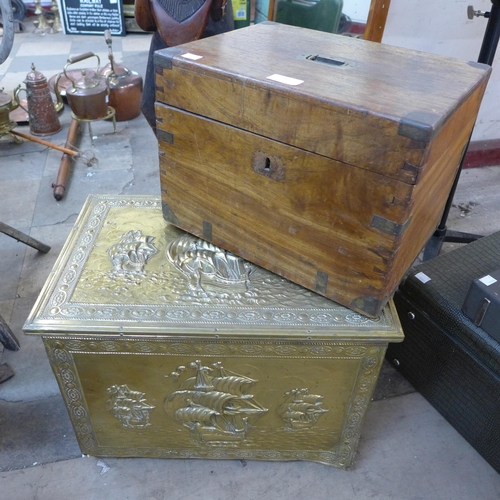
x: 92, y: 17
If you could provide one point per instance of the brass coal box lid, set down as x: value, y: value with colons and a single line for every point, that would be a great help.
x: 165, y: 345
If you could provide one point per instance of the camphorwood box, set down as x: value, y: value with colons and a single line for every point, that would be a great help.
x: 323, y: 158
x: 164, y: 345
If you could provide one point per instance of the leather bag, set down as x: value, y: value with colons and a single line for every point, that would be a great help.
x: 177, y: 21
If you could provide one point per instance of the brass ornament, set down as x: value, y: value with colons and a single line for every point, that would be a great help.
x: 7, y: 104
x: 41, y: 24
x: 57, y: 26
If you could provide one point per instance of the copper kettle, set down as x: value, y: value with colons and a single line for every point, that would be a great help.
x: 88, y: 97
x: 42, y: 111
x: 125, y: 86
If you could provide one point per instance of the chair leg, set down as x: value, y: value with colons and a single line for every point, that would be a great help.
x: 7, y: 338
x: 24, y: 238
x: 6, y: 372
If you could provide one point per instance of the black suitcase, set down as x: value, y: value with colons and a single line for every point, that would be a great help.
x: 454, y: 364
x: 482, y: 304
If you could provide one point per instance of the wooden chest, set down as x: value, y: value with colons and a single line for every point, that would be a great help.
x: 323, y: 158
x: 166, y: 346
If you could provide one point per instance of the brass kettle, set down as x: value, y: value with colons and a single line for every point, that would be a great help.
x: 88, y: 97
x: 6, y: 106
x: 125, y: 86
x: 42, y: 111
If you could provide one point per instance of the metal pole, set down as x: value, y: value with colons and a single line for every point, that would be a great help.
x: 486, y: 56
x: 491, y: 36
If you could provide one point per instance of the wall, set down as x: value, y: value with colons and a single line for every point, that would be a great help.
x: 442, y: 27
x: 357, y: 10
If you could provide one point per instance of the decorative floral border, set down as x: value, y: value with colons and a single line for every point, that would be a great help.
x: 60, y: 351
x: 66, y: 374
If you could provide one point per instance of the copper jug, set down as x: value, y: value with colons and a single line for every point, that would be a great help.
x: 42, y: 111
x: 88, y: 97
x: 125, y: 86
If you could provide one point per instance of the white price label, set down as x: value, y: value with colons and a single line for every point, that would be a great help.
x: 285, y: 79
x: 488, y: 280
x: 422, y: 277
x: 193, y: 57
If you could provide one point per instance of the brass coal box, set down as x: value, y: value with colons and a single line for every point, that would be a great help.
x: 164, y: 345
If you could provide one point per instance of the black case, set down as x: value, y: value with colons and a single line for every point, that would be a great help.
x: 453, y: 363
x: 482, y: 303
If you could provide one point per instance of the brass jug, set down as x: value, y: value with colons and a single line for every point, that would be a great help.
x: 88, y: 97
x: 125, y: 86
x: 42, y: 111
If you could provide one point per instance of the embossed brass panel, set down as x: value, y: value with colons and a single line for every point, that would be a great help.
x: 164, y: 345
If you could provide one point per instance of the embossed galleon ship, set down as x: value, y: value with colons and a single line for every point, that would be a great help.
x: 132, y: 252
x: 214, y: 408
x: 128, y: 406
x: 203, y: 263
x: 301, y: 410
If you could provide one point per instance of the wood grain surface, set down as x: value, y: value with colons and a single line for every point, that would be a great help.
x: 351, y: 113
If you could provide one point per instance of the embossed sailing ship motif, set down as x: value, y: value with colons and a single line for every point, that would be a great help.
x: 132, y: 252
x: 203, y: 263
x: 301, y: 410
x: 214, y: 406
x: 128, y: 406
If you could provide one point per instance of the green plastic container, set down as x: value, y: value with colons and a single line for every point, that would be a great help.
x: 321, y: 15
x: 241, y: 13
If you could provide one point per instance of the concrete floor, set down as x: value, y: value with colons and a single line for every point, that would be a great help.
x: 407, y: 450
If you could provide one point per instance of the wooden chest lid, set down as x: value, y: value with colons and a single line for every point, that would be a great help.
x: 363, y: 103
x: 125, y: 271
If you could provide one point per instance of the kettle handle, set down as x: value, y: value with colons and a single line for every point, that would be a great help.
x: 81, y: 57
x: 109, y: 42
x: 59, y: 104
x: 107, y: 38
x: 17, y: 90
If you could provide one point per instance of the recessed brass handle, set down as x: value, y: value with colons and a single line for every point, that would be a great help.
x: 326, y: 60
